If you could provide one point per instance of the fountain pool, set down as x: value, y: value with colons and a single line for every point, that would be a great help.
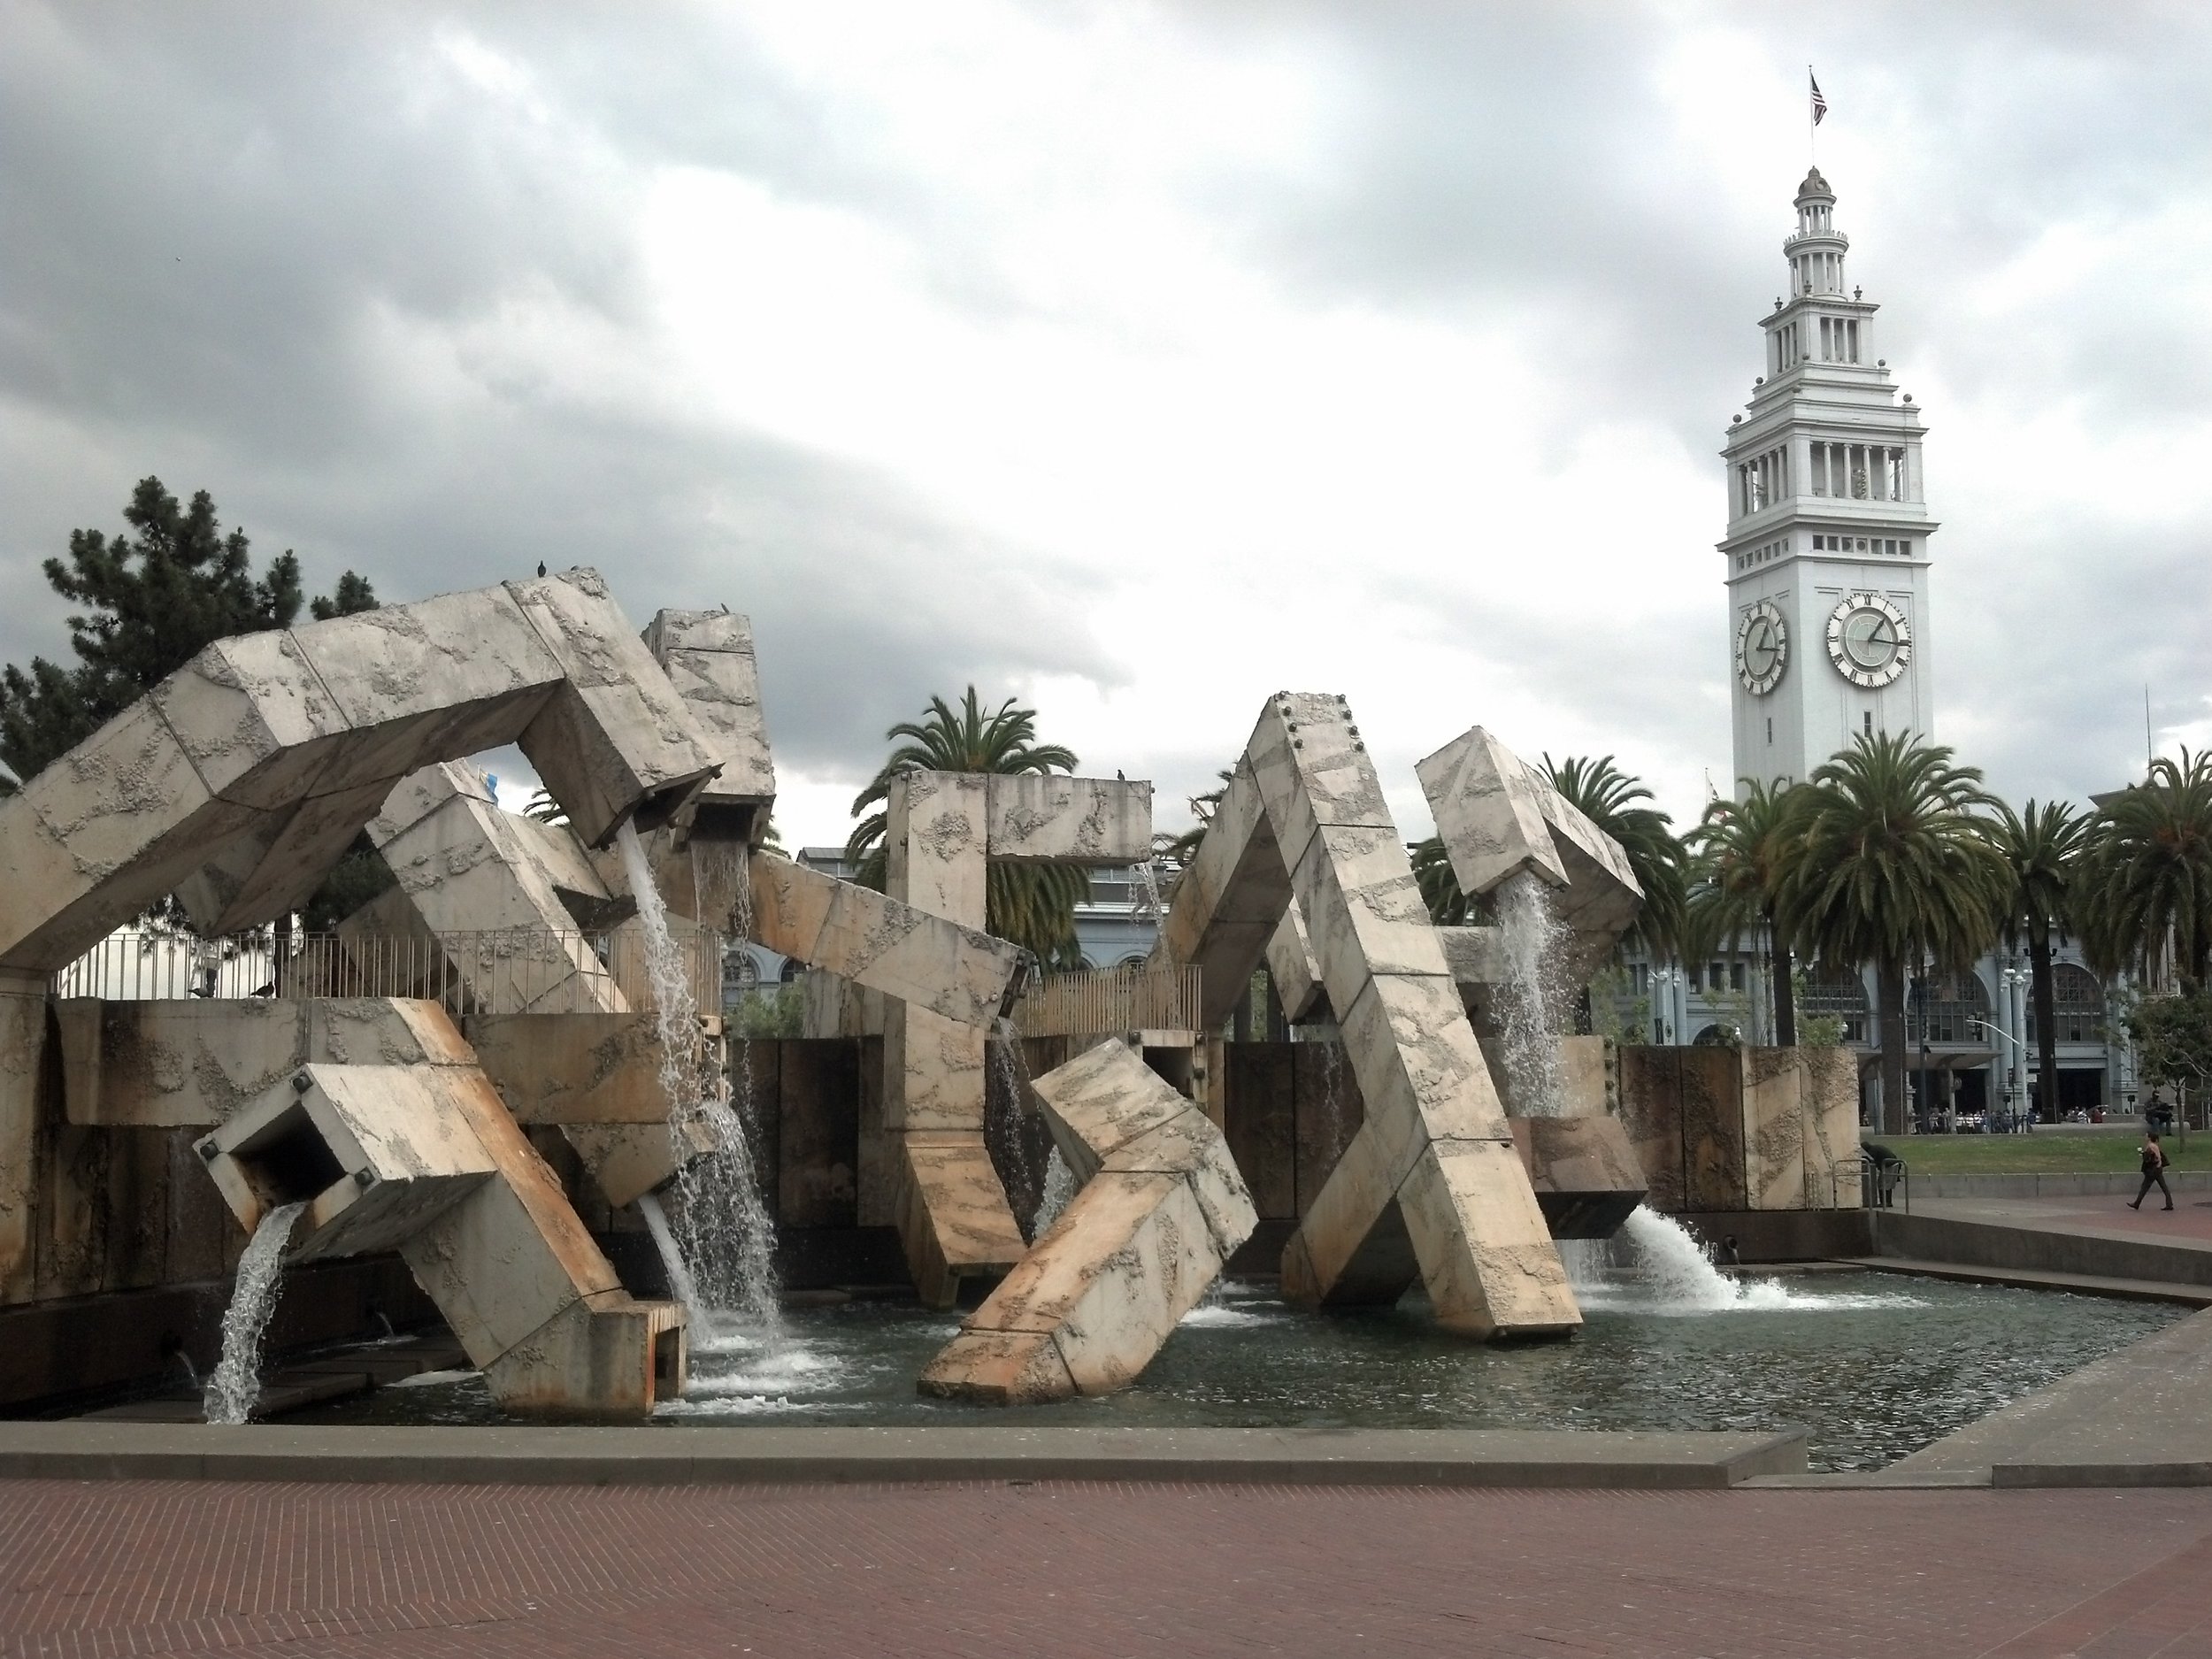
x: 1876, y: 1365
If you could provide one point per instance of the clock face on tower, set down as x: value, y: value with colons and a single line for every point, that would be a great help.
x: 1869, y: 639
x: 1762, y: 649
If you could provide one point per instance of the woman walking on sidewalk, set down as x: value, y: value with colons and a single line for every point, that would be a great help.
x: 2153, y: 1170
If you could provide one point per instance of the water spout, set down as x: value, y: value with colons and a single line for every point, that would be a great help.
x: 236, y: 1385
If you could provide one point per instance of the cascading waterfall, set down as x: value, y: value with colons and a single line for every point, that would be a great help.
x: 1059, y: 1192
x: 721, y: 1229
x: 1531, y: 1002
x: 679, y: 1285
x: 1150, y: 904
x: 236, y: 1383
x: 1009, y: 1114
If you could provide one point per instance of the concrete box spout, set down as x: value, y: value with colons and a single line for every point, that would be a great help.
x: 373, y: 1152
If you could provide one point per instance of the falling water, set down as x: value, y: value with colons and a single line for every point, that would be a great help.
x: 236, y: 1384
x: 679, y: 1285
x: 1533, y: 998
x: 1059, y: 1192
x: 1150, y: 905
x: 722, y: 1229
x: 1667, y: 1271
x: 1009, y: 1116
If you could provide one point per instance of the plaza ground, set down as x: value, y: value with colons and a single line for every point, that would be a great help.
x: 2051, y: 1150
x: 1080, y: 1570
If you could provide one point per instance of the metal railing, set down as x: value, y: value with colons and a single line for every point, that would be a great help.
x: 1101, y: 1002
x: 503, y: 970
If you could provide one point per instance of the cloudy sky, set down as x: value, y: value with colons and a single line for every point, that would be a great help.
x: 1134, y: 360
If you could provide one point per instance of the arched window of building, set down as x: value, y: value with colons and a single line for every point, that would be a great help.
x: 792, y: 968
x: 1134, y: 959
x: 1948, y: 1004
x: 1836, y: 997
x: 2076, y: 1004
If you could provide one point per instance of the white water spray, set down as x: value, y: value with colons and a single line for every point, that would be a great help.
x: 1531, y: 1002
x: 679, y: 1285
x: 1059, y: 1192
x: 721, y: 1227
x: 236, y: 1383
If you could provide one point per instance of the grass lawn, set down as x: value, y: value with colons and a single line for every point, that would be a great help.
x: 2047, y: 1150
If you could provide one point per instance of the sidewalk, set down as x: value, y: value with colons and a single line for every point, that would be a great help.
x: 1083, y: 1571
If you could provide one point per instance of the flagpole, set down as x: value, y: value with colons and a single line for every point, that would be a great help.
x: 1812, y: 124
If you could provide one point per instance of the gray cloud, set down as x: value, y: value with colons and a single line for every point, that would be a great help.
x: 226, y: 224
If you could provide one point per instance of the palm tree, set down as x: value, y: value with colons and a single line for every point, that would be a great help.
x: 1743, y: 851
x: 2144, y: 883
x: 1895, y: 866
x: 1607, y: 797
x: 1034, y: 905
x: 2039, y: 847
x: 1447, y: 905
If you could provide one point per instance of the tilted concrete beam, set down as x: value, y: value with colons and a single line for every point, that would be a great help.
x: 1430, y: 1183
x: 259, y: 760
x: 1159, y: 1211
x: 942, y: 830
x: 424, y: 1159
x: 1498, y: 816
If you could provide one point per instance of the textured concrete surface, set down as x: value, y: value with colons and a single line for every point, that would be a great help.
x: 1160, y: 1207
x: 1096, y: 1569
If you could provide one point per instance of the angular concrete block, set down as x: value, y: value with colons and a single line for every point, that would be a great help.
x: 999, y: 1368
x: 1095, y: 1104
x: 627, y: 1161
x: 1498, y: 816
x: 1486, y: 1254
x: 1291, y: 965
x: 933, y: 1070
x: 1584, y: 1172
x: 1036, y: 818
x: 1351, y: 1248
x: 952, y: 1215
x: 882, y: 944
x: 112, y: 825
x: 376, y: 1153
x: 1312, y: 768
x: 1109, y: 1112
x: 258, y: 722
x: 602, y: 1355
x: 710, y: 659
x: 1489, y: 813
x: 1363, y: 910
x: 614, y: 738
x: 936, y: 843
x: 573, y: 1068
x: 1421, y: 1075
x: 1229, y: 900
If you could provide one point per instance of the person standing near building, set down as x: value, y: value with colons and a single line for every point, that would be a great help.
x: 2153, y: 1170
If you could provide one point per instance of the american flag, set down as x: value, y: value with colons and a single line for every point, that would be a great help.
x: 1820, y: 105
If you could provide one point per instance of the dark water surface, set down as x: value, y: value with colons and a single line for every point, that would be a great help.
x: 1876, y: 1365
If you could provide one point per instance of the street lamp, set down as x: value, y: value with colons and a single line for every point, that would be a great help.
x: 2014, y: 979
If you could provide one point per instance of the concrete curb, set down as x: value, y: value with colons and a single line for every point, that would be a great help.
x: 87, y: 1450
x: 2021, y: 1475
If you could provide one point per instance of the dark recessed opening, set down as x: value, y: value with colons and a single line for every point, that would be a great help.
x: 667, y: 1350
x: 287, y: 1161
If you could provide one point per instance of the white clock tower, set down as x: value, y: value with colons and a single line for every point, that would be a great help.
x: 1827, y: 546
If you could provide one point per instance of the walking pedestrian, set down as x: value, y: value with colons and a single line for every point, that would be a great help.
x: 2153, y: 1170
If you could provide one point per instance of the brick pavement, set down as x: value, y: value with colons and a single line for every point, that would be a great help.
x: 1072, y: 1570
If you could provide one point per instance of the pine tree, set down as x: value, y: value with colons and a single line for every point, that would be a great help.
x: 152, y: 596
